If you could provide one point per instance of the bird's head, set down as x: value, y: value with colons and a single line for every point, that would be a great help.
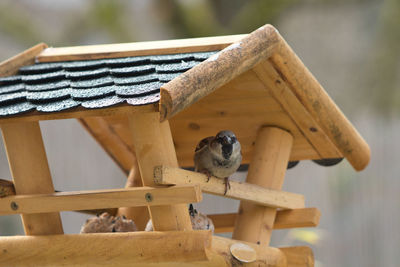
x: 225, y: 144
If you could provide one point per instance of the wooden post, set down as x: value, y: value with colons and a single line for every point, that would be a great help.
x: 267, y: 169
x: 154, y: 146
x: 31, y: 174
x: 140, y: 215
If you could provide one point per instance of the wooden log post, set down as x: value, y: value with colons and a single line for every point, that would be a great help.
x: 139, y: 214
x: 154, y: 146
x: 31, y: 174
x: 268, y: 166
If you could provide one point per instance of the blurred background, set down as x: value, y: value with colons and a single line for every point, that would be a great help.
x: 352, y: 47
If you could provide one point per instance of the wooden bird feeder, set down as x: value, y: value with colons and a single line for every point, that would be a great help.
x: 253, y: 84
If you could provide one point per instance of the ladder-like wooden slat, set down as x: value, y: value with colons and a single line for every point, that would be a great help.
x: 241, y: 191
x: 97, y: 199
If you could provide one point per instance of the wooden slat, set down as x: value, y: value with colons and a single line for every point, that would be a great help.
x: 267, y: 169
x: 285, y: 219
x: 105, y: 249
x: 97, y: 199
x: 137, y: 49
x: 241, y: 191
x: 299, y: 256
x: 306, y: 124
x: 30, y: 171
x: 320, y: 106
x: 11, y: 66
x: 79, y: 112
x: 106, y: 136
x: 153, y: 147
x: 209, y: 75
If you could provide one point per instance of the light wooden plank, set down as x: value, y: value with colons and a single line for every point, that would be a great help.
x: 209, y: 75
x: 99, y: 199
x: 321, y: 107
x: 79, y: 112
x: 11, y: 66
x: 241, y: 191
x: 153, y: 147
x: 299, y: 256
x: 267, y: 169
x: 105, y: 249
x: 137, y: 49
x: 285, y: 219
x: 306, y: 124
x: 31, y: 174
x: 107, y: 138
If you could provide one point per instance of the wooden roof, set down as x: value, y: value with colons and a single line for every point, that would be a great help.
x: 256, y: 80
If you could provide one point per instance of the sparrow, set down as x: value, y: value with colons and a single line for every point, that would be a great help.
x: 106, y: 223
x: 199, y: 221
x: 218, y: 156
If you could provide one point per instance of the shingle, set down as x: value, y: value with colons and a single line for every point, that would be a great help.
x: 83, y: 65
x: 11, y: 98
x: 166, y: 77
x: 135, y: 80
x: 46, y: 77
x: 10, y: 80
x: 176, y: 67
x: 132, y: 71
x: 16, y: 109
x: 40, y: 68
x: 203, y: 55
x: 175, y: 58
x: 87, y: 74
x: 127, y: 61
x: 104, y: 81
x: 58, y: 105
x: 140, y: 89
x: 47, y: 86
x: 46, y: 96
x: 5, y: 89
x: 92, y: 93
x: 103, y: 102
x: 144, y: 100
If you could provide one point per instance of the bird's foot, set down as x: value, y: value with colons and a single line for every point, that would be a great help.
x: 206, y: 172
x: 227, y: 185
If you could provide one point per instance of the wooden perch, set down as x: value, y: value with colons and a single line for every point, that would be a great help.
x: 105, y: 249
x: 97, y: 199
x: 242, y: 191
x: 307, y: 217
x: 299, y: 256
x: 204, y: 78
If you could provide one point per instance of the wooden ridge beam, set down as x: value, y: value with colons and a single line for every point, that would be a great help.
x: 307, y: 217
x: 99, y: 199
x: 105, y: 249
x: 89, y: 52
x: 241, y: 191
x: 216, y: 71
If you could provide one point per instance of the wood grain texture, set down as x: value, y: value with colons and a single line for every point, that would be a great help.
x: 219, y: 69
x: 299, y: 256
x: 11, y: 66
x: 105, y: 249
x: 140, y: 215
x: 285, y: 219
x: 98, y: 199
x: 89, y: 52
x: 267, y: 169
x: 31, y: 174
x: 154, y: 146
x: 6, y: 188
x: 289, y: 102
x: 241, y: 191
x: 320, y: 106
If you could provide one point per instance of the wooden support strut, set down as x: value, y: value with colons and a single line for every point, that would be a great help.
x: 154, y: 146
x: 31, y: 174
x: 241, y: 191
x: 267, y: 169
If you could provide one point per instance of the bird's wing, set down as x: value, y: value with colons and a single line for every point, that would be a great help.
x: 204, y: 142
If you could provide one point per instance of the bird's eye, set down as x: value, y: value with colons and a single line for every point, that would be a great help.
x: 220, y: 140
x: 233, y: 139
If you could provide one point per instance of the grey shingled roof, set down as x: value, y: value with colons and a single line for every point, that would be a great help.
x: 58, y: 86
